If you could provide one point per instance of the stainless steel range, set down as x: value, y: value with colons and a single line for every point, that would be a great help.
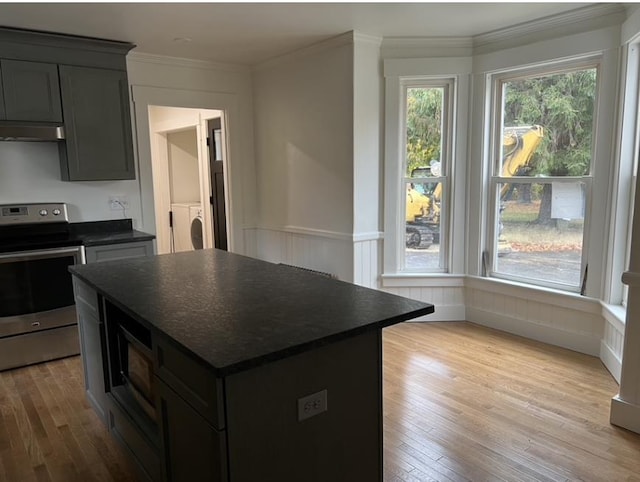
x: 37, y: 311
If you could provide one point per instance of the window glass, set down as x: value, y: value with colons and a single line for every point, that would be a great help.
x: 424, y: 128
x: 424, y: 177
x: 542, y: 250
x: 542, y: 176
x: 547, y: 124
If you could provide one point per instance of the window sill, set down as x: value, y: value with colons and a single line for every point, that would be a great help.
x: 614, y: 313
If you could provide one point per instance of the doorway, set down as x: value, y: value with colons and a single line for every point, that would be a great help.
x: 188, y: 157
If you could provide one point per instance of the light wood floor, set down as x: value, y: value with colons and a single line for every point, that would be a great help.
x: 461, y: 402
x: 48, y: 430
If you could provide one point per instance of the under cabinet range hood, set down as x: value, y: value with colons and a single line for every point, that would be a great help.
x: 34, y: 132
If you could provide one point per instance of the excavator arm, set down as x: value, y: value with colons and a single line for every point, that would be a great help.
x: 518, y: 146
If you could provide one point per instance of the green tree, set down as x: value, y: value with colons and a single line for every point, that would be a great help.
x: 424, y: 126
x: 563, y: 104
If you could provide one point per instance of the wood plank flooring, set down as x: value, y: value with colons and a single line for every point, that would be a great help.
x: 49, y: 432
x: 461, y: 402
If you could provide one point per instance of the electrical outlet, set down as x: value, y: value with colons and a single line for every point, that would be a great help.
x: 117, y: 203
x: 312, y: 405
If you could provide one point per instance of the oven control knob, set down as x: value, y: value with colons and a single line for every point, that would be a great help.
x: 56, y: 212
x: 43, y: 212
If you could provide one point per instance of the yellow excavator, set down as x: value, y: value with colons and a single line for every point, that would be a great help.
x: 422, y: 213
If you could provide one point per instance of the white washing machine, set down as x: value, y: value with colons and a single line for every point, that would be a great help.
x: 196, y: 226
x: 186, y: 219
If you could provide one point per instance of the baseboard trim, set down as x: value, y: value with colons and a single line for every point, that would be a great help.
x: 625, y: 414
x: 610, y: 360
x: 579, y: 342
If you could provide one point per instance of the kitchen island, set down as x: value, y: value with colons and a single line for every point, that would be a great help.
x: 208, y: 365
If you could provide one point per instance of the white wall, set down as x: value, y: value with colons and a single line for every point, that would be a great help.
x: 304, y: 155
x: 367, y: 138
x: 167, y: 119
x: 183, y: 166
x: 304, y: 140
x: 172, y: 82
x: 367, y: 160
x: 30, y: 172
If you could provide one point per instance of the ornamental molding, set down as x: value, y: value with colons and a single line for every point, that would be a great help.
x: 604, y: 14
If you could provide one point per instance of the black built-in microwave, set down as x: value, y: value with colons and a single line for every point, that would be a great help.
x: 131, y: 377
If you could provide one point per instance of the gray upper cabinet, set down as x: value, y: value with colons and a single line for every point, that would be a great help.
x: 97, y: 123
x: 31, y: 91
x: 77, y: 81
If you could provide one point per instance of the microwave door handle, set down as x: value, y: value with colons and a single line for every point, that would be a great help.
x: 42, y: 254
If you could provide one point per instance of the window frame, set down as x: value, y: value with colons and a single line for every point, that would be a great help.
x: 460, y: 70
x: 448, y: 84
x: 496, y: 81
x: 625, y: 182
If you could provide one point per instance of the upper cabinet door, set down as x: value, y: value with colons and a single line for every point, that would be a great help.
x: 97, y: 124
x: 31, y: 91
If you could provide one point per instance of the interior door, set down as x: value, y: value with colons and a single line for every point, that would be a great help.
x: 217, y: 199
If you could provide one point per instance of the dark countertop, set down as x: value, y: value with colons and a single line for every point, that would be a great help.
x: 114, y: 238
x: 97, y: 233
x: 235, y: 312
x: 55, y: 235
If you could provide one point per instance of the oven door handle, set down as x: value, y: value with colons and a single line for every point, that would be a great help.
x: 43, y: 254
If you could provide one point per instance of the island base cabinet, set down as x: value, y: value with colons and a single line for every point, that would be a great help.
x: 193, y: 450
x: 111, y: 252
x: 254, y: 382
x: 140, y: 450
x: 92, y: 346
x: 271, y: 438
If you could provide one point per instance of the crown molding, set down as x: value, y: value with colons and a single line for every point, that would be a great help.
x: 367, y: 39
x: 346, y: 38
x: 421, y: 47
x: 426, y: 42
x: 597, y: 12
x: 53, y: 39
x: 186, y: 63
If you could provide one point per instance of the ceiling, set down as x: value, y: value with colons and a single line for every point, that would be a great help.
x: 249, y: 33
